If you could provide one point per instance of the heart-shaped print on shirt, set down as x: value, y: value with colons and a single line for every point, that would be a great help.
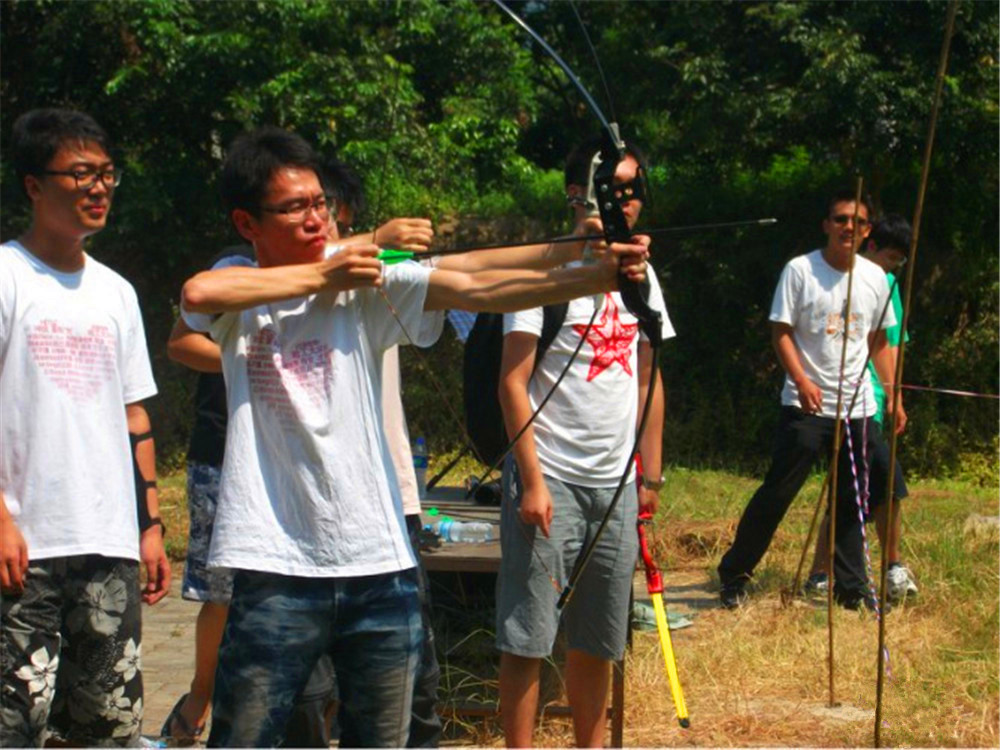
x: 285, y: 382
x: 79, y: 364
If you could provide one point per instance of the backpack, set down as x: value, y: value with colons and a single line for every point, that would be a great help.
x: 481, y: 378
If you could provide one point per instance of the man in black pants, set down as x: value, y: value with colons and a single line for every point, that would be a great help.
x: 809, y: 322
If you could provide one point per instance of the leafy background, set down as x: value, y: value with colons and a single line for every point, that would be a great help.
x: 746, y: 109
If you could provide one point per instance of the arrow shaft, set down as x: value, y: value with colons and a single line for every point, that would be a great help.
x: 399, y: 255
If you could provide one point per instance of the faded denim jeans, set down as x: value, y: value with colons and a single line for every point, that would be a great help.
x: 277, y: 629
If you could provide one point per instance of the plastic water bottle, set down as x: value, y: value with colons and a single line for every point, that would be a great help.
x: 472, y: 531
x: 465, y: 531
x: 420, y: 465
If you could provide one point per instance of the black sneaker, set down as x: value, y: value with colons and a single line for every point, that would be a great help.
x: 816, y: 584
x: 733, y: 595
x: 867, y: 602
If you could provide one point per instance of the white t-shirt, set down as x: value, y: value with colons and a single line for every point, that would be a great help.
x: 396, y: 432
x: 307, y: 486
x: 394, y: 417
x: 812, y: 297
x: 72, y: 355
x: 584, y: 433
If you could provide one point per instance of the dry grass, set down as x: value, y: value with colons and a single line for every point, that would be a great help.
x: 758, y: 677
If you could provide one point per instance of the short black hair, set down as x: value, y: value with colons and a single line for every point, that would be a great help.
x: 892, y: 231
x: 253, y: 158
x: 345, y: 184
x: 577, y: 170
x: 848, y: 196
x: 39, y: 134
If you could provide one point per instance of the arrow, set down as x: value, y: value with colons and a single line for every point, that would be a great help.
x: 391, y: 257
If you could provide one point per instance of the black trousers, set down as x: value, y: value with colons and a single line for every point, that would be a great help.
x: 802, y: 440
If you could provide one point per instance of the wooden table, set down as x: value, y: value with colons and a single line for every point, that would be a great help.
x: 458, y: 557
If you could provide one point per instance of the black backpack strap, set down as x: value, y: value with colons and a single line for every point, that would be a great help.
x: 481, y: 380
x: 552, y: 321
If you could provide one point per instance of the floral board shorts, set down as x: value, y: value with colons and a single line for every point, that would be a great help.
x: 70, y: 649
x: 201, y: 583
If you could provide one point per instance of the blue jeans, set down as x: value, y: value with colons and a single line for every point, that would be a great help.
x: 308, y: 726
x: 278, y: 628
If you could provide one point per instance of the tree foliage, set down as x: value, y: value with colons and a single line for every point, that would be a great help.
x: 748, y: 109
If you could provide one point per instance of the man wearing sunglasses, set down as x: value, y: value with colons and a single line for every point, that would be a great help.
x: 78, y: 504
x: 887, y: 246
x: 565, y: 469
x: 809, y: 323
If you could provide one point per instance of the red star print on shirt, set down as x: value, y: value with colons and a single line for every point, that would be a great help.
x: 611, y: 339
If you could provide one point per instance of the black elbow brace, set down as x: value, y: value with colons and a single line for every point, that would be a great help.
x: 142, y: 485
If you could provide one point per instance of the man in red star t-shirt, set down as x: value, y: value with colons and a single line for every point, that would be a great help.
x: 568, y: 464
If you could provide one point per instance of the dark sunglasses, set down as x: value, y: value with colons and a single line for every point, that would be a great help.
x: 842, y: 219
x: 633, y: 190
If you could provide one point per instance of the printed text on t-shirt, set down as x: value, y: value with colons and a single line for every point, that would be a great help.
x: 281, y: 381
x: 79, y: 364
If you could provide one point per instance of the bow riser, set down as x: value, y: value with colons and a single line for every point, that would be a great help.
x: 634, y: 295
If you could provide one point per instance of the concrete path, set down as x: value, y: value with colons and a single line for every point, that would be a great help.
x: 167, y: 654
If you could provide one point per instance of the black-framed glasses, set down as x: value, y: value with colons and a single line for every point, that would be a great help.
x: 86, y: 177
x: 296, y: 213
x: 842, y: 219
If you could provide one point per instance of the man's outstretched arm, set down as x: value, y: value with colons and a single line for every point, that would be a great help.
x: 239, y: 287
x: 508, y: 290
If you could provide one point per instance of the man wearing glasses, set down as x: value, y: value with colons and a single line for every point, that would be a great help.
x: 310, y: 724
x: 809, y: 322
x: 78, y: 505
x: 309, y: 514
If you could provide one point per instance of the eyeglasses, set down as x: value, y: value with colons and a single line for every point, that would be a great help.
x: 324, y: 205
x: 842, y: 219
x: 86, y: 178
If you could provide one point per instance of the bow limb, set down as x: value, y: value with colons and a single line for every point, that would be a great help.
x: 654, y: 586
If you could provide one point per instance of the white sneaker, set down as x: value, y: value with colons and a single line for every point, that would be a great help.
x: 900, y: 582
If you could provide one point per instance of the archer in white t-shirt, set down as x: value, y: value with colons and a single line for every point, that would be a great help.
x: 810, y: 321
x: 309, y: 512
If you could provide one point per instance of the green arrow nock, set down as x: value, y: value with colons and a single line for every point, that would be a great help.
x: 392, y: 257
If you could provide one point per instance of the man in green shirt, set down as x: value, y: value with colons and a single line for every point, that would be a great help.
x: 887, y: 246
